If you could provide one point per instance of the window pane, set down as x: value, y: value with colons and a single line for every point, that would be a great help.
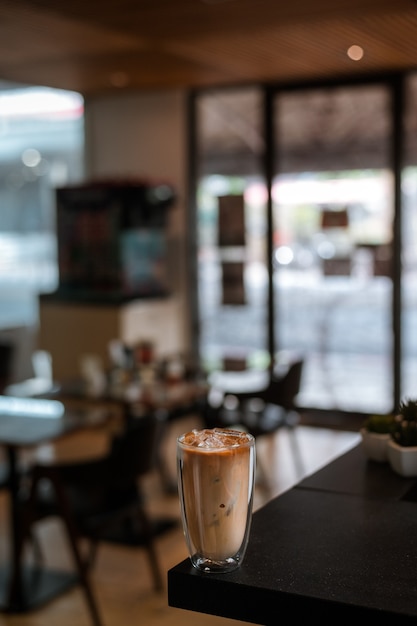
x: 231, y: 223
x: 41, y: 148
x: 333, y: 211
x: 409, y: 250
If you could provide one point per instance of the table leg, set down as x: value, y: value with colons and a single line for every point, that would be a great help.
x: 23, y: 588
x: 15, y: 598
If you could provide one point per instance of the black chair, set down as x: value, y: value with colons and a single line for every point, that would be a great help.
x: 262, y: 411
x: 7, y: 353
x: 100, y: 500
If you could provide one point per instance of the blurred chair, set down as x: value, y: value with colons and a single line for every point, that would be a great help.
x: 261, y: 410
x: 100, y: 500
x: 6, y: 364
x: 7, y: 353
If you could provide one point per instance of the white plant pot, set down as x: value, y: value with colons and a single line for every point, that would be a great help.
x: 375, y: 445
x: 403, y: 459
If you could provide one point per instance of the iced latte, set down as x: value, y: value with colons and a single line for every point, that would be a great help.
x: 216, y: 470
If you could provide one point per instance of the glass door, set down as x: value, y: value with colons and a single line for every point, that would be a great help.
x: 332, y: 203
x: 231, y: 227
x: 409, y: 250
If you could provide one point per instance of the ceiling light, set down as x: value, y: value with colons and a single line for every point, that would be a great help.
x: 355, y: 53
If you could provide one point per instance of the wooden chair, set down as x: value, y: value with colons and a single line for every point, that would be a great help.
x: 100, y: 500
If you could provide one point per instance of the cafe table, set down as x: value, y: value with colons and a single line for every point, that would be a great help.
x: 171, y: 400
x: 338, y: 547
x: 176, y: 398
x: 27, y: 423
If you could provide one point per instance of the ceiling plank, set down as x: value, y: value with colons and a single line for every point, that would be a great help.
x: 95, y: 47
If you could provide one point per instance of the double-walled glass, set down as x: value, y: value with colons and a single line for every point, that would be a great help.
x: 216, y: 476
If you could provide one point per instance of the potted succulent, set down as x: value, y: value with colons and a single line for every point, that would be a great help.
x: 376, y: 433
x: 402, y: 447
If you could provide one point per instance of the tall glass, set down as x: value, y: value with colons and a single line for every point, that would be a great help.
x: 216, y: 476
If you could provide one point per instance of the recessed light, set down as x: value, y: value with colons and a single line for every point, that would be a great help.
x: 355, y: 53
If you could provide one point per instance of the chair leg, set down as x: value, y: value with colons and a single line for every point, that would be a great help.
x: 151, y: 550
x: 36, y: 547
x: 137, y: 515
x: 72, y: 535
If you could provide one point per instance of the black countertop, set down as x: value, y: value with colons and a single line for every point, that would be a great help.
x: 354, y: 473
x: 330, y: 546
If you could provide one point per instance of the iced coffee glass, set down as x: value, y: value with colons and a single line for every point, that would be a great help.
x: 216, y: 474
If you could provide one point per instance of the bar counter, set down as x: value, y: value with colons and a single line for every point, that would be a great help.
x: 339, y: 546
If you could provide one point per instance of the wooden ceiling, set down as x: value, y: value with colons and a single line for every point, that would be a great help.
x: 96, y: 47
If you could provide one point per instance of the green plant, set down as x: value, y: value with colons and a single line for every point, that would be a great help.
x: 408, y: 410
x: 405, y: 428
x: 380, y: 424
